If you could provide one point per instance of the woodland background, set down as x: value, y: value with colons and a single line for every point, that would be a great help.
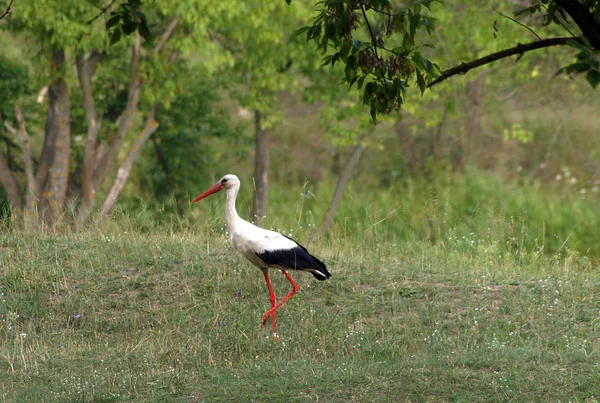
x: 147, y: 115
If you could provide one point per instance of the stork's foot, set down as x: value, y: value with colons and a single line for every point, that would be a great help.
x: 273, y: 320
x: 266, y: 318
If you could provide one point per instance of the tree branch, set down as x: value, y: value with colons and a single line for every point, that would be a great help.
x: 126, y: 118
x: 373, y: 40
x: 21, y: 133
x: 463, y: 68
x: 102, y: 11
x: 166, y: 35
x: 584, y: 19
x: 7, y: 10
x: 135, y: 86
x: 342, y: 183
x: 516, y: 22
x: 149, y: 127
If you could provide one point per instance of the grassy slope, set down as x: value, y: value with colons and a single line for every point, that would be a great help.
x: 162, y: 319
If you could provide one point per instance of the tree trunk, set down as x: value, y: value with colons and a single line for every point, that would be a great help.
x: 162, y: 160
x: 21, y: 133
x: 58, y: 129
x: 85, y: 71
x: 125, y: 169
x: 261, y: 169
x: 409, y: 151
x: 10, y: 185
x: 341, y: 186
x: 474, y: 93
x: 127, y: 118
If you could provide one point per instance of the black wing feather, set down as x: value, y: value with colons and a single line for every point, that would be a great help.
x: 297, y: 258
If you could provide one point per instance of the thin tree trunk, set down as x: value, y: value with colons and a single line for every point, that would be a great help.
x: 261, y: 171
x: 60, y: 128
x: 109, y: 157
x: 162, y: 160
x: 127, y: 118
x: 46, y: 156
x: 474, y: 92
x: 408, y: 145
x: 21, y: 133
x: 341, y: 186
x: 10, y: 185
x: 149, y: 127
x: 85, y: 71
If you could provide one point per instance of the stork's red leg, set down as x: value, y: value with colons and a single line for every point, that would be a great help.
x: 272, y: 297
x: 295, y: 288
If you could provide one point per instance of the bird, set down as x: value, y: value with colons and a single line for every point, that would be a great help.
x: 264, y: 248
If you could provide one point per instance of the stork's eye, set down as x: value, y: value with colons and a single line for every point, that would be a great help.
x: 224, y: 180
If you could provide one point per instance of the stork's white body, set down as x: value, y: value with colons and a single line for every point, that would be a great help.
x: 247, y: 238
x: 265, y: 249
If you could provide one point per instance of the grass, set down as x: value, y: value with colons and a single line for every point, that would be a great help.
x: 175, y: 316
x: 517, y: 215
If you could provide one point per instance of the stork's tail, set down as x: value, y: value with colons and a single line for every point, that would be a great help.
x: 320, y: 270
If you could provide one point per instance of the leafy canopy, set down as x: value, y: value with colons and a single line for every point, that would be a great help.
x: 379, y: 46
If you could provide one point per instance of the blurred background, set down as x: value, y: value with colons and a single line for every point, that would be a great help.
x: 506, y: 155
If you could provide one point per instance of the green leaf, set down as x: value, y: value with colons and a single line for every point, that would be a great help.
x: 374, y: 113
x: 350, y: 73
x: 421, y: 81
x: 419, y: 61
x: 575, y: 68
x: 145, y: 32
x: 345, y: 49
x: 129, y: 27
x: 114, y: 20
x: 314, y: 32
x: 143, y: 27
x: 370, y: 89
x: 299, y: 32
x: 361, y: 80
x: 414, y: 21
x: 116, y: 36
x: 335, y: 58
x: 593, y: 77
x: 399, y: 50
x: 529, y: 10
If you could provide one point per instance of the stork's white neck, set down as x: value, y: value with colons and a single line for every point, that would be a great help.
x: 231, y: 215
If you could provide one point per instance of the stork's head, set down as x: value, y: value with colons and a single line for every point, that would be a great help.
x: 226, y: 182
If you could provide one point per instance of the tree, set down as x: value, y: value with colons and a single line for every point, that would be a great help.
x: 265, y: 63
x: 385, y: 70
x: 99, y: 101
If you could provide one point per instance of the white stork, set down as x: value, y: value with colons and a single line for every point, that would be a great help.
x: 265, y: 249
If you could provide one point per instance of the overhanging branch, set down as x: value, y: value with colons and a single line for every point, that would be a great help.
x: 520, y: 49
x: 585, y: 20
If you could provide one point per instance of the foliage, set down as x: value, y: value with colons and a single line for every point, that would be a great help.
x: 586, y: 16
x: 14, y: 84
x: 386, y: 70
x: 382, y: 63
x: 156, y: 77
x: 185, y: 146
x: 127, y: 19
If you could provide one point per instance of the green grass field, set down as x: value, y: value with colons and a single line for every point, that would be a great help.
x: 176, y: 316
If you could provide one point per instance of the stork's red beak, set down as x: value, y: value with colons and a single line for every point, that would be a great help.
x: 213, y: 189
